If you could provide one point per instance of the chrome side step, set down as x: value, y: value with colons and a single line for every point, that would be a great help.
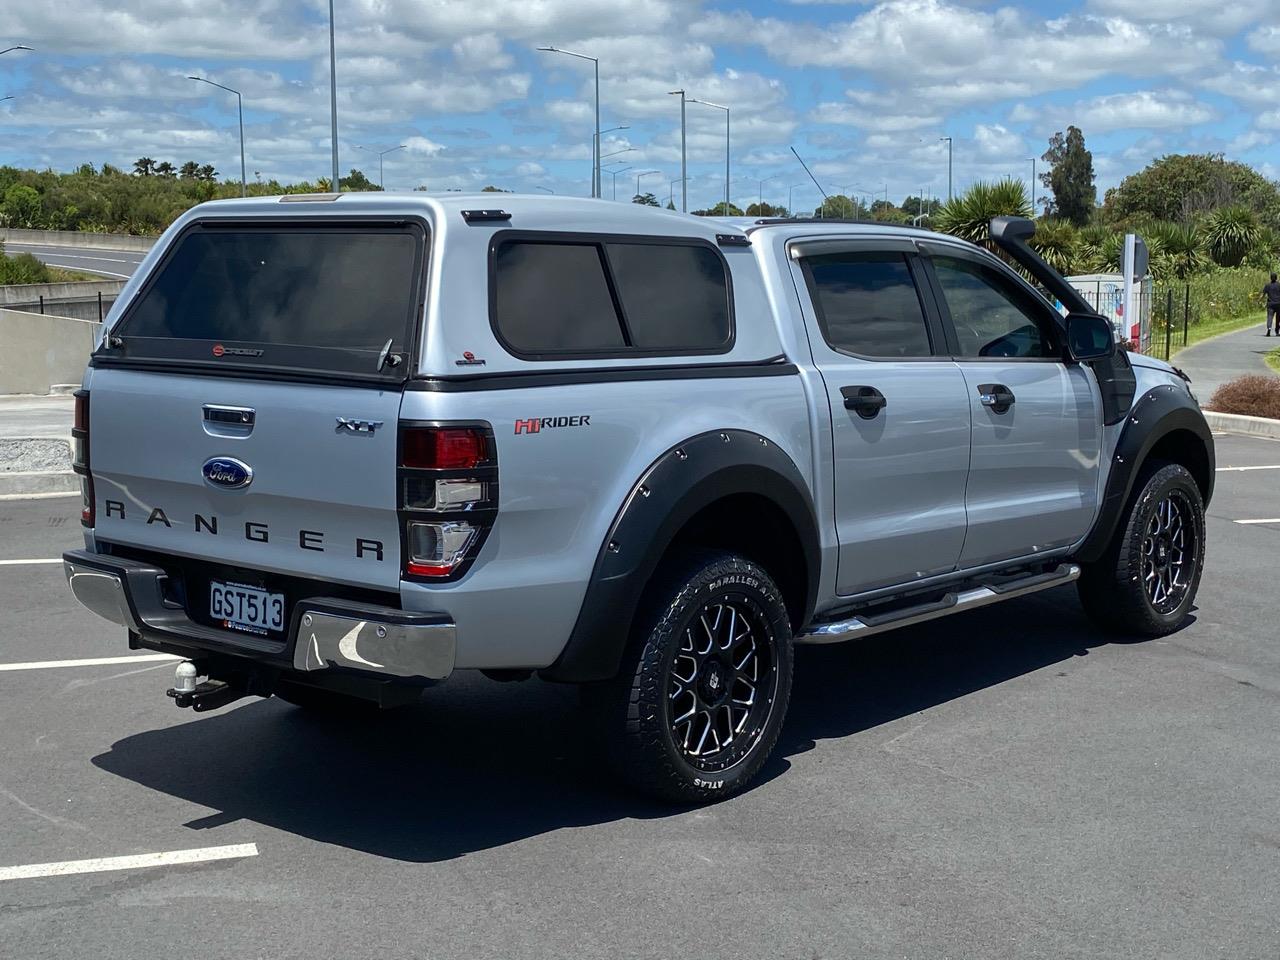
x: 971, y: 599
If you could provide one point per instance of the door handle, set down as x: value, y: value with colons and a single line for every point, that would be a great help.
x: 866, y: 402
x: 996, y: 396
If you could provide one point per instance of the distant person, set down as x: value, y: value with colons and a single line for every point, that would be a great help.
x: 1272, y: 292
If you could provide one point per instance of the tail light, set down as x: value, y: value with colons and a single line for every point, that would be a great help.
x: 448, y: 496
x: 80, y: 456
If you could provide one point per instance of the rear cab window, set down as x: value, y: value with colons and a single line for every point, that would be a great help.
x: 328, y: 298
x: 555, y: 297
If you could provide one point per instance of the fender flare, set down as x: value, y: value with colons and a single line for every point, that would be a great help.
x: 682, y: 481
x: 1156, y: 414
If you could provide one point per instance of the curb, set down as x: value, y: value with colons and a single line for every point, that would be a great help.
x: 1237, y: 423
x: 17, y: 485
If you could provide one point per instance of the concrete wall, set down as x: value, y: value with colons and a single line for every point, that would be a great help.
x: 41, y: 351
x: 78, y: 301
x: 75, y: 238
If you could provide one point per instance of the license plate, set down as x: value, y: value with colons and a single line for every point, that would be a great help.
x: 241, y: 607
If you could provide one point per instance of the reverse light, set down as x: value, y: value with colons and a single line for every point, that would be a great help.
x: 80, y: 455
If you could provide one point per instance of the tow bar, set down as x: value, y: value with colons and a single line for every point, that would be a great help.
x: 189, y: 691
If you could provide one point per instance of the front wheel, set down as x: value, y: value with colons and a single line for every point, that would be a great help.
x: 704, y: 686
x: 1146, y: 581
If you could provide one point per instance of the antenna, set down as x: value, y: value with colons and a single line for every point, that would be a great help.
x: 811, y: 176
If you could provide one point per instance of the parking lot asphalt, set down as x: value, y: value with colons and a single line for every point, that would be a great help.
x: 1004, y: 783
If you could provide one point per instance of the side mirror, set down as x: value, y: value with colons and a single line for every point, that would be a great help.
x: 1089, y: 337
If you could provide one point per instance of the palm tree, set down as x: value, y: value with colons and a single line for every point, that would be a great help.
x: 190, y: 170
x: 165, y: 169
x: 144, y: 166
x: 1055, y: 241
x: 1177, y: 250
x: 208, y: 173
x: 1229, y: 233
x: 968, y: 216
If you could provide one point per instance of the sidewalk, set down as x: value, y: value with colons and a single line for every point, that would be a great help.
x: 1213, y: 362
x: 35, y: 446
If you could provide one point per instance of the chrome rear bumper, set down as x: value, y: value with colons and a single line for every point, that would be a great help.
x: 325, y: 632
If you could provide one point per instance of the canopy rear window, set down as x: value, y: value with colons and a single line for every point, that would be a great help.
x: 296, y: 297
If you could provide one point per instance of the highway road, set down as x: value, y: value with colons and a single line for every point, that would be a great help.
x: 117, y: 264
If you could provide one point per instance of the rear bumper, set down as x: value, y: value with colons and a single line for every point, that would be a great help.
x: 324, y: 634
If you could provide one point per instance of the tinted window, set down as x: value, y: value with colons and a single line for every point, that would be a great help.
x: 991, y: 315
x: 334, y: 295
x: 867, y: 304
x: 554, y: 298
x: 675, y: 297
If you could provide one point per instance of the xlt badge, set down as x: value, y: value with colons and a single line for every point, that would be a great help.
x: 358, y: 426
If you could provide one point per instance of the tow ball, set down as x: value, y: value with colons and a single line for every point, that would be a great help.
x: 189, y: 690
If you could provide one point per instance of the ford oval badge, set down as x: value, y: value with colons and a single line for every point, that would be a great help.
x: 227, y: 472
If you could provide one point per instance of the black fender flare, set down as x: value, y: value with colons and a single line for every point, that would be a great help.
x: 1156, y: 414
x: 685, y: 479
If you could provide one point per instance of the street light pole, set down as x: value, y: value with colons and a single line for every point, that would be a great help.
x: 684, y: 172
x: 671, y: 190
x: 336, y: 185
x: 614, y: 174
x: 718, y: 106
x: 21, y: 46
x: 240, y: 111
x: 760, y: 198
x: 949, y: 143
x: 381, y: 154
x: 643, y: 173
x: 596, y: 190
x: 1033, y: 187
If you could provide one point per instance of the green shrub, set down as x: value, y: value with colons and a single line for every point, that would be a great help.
x: 24, y: 268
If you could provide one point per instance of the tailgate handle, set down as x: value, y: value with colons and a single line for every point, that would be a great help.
x: 230, y: 416
x: 231, y: 422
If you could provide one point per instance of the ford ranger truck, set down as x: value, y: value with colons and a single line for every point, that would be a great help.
x: 335, y: 447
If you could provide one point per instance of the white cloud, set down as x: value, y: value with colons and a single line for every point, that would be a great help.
x: 1142, y: 110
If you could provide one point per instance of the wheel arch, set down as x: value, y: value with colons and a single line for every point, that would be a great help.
x: 695, y: 494
x: 1165, y: 424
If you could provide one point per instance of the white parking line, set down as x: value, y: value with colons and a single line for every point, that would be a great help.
x: 102, y: 864
x: 1271, y: 520
x: 24, y: 563
x: 1270, y: 466
x: 91, y: 662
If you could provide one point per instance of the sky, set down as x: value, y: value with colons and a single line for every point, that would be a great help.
x: 862, y: 91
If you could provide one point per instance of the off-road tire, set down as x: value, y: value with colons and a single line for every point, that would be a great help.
x: 1116, y: 590
x: 704, y: 598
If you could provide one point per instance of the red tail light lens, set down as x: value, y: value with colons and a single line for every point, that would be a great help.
x: 443, y: 448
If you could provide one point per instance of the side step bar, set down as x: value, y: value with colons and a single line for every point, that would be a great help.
x: 867, y: 625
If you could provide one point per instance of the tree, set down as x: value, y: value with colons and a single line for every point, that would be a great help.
x: 1070, y: 177
x: 671, y: 205
x: 1055, y: 241
x: 914, y: 206
x: 645, y: 199
x: 144, y: 166
x: 719, y: 210
x: 1185, y: 187
x: 767, y: 210
x: 190, y: 170
x: 356, y: 182
x: 1230, y: 233
x: 207, y: 173
x: 840, y: 207
x: 968, y: 215
x: 21, y: 207
x: 493, y: 189
x: 166, y: 170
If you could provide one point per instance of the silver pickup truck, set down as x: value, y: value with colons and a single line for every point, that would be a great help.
x: 334, y: 448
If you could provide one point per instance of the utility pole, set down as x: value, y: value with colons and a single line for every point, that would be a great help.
x: 336, y: 185
x: 948, y: 139
x: 684, y: 173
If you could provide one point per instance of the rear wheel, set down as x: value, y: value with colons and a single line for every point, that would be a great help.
x: 704, y: 685
x: 1147, y: 580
